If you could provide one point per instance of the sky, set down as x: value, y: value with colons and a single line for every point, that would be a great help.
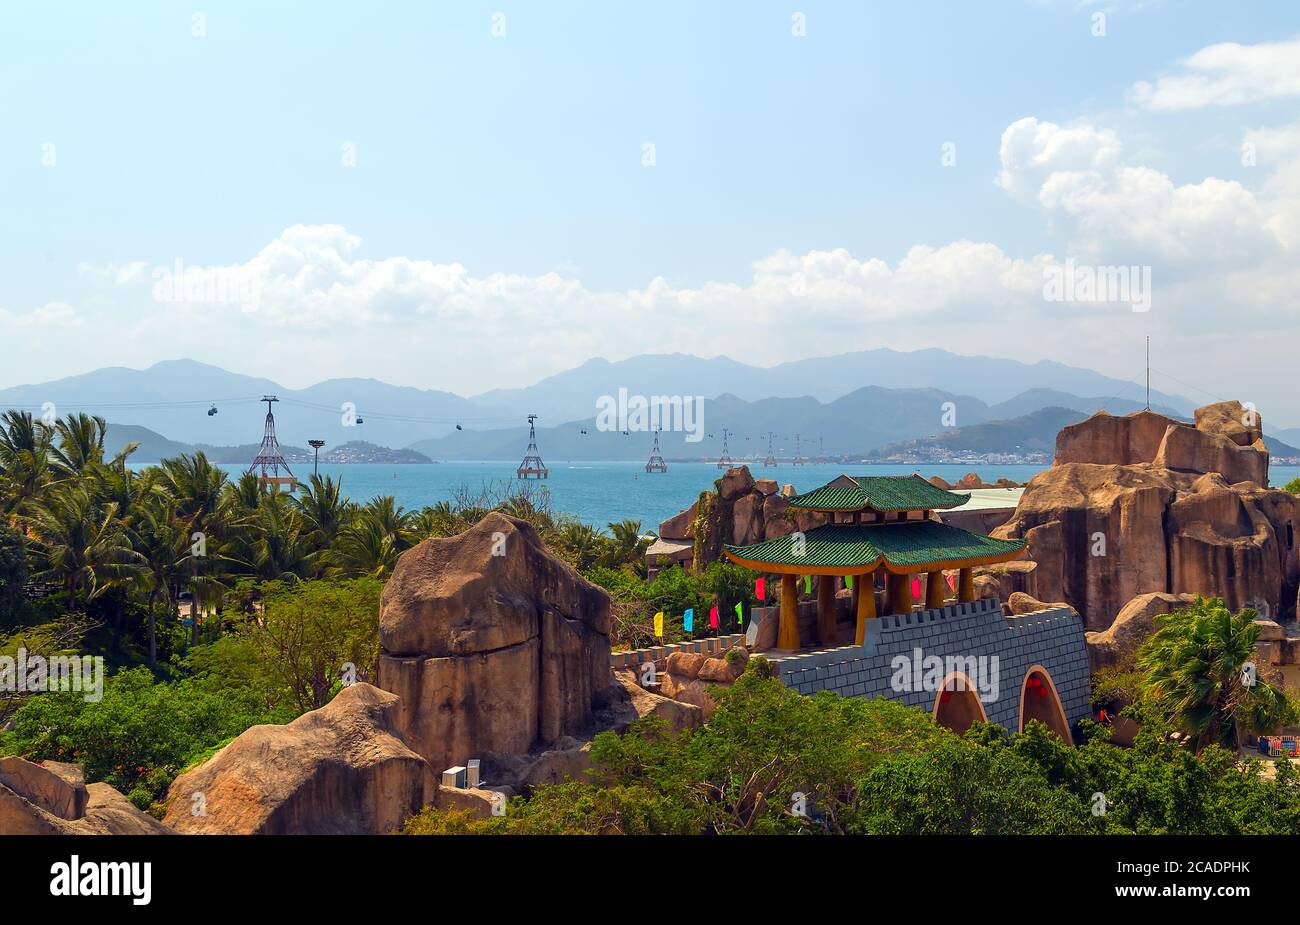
x: 469, y: 196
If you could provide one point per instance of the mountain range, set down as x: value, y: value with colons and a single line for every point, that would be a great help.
x: 850, y: 403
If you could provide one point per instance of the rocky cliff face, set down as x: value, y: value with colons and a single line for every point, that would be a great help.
x: 1142, y: 503
x: 740, y: 511
x: 492, y: 643
x: 52, y: 798
x: 339, y: 770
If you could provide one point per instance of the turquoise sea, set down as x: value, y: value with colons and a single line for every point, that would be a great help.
x: 601, y: 492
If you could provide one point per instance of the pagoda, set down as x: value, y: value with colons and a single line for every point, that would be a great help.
x: 877, y: 523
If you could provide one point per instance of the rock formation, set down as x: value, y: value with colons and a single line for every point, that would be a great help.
x: 492, y: 643
x: 689, y: 676
x: 740, y: 510
x: 1142, y: 503
x: 1136, y: 621
x: 339, y: 770
x: 52, y: 798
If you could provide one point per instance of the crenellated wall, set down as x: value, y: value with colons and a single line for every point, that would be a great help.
x: 1010, y: 646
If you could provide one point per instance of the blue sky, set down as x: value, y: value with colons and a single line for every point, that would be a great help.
x: 518, y: 158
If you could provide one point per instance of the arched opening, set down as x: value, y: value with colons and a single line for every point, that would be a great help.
x: 1039, y: 700
x: 957, y: 705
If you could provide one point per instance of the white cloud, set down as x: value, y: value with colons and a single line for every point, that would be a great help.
x: 1226, y: 74
x: 1133, y: 214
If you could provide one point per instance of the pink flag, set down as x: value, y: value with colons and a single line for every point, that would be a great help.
x: 760, y: 588
x: 713, y: 616
x: 916, y: 588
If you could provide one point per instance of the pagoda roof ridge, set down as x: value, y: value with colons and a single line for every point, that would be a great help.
x: 884, y: 493
x: 904, y: 547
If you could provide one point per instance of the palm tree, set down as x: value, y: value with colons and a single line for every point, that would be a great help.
x: 197, y: 486
x: 24, y: 459
x: 1196, y: 671
x: 79, y: 445
x: 166, y: 547
x: 627, y: 546
x: 367, y: 547
x: 86, y: 547
x: 323, y: 509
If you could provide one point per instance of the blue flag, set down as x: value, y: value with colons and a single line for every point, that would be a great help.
x: 688, y: 620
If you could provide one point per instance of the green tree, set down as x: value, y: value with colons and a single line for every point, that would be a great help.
x: 1193, y: 672
x: 85, y: 548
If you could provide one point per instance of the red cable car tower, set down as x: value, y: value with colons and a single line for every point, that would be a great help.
x: 269, y: 460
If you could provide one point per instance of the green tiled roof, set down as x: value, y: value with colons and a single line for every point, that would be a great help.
x: 911, y: 543
x: 879, y: 492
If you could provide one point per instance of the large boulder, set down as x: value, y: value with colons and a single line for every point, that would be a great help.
x: 679, y: 526
x: 1132, y: 626
x: 492, y: 643
x: 339, y: 770
x: 1123, y: 513
x: 52, y: 798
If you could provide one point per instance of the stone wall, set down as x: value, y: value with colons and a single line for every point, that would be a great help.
x: 1051, y: 638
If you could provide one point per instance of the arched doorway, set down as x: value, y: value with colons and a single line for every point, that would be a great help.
x: 1039, y: 700
x: 957, y: 705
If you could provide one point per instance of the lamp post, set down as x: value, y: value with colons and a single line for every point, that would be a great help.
x: 316, y: 445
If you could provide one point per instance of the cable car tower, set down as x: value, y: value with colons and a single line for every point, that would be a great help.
x: 724, y: 461
x: 656, y: 462
x: 770, y: 460
x: 269, y: 460
x: 798, y: 454
x: 532, y: 466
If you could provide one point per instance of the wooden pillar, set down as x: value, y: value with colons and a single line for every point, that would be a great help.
x: 934, y: 588
x: 826, y: 610
x: 787, y: 634
x: 866, y: 604
x: 900, y: 593
x: 965, y: 585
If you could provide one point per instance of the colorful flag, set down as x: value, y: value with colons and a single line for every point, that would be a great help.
x: 740, y: 614
x: 659, y: 625
x: 760, y: 588
x: 713, y: 616
x: 848, y: 582
x: 688, y: 620
x: 916, y: 588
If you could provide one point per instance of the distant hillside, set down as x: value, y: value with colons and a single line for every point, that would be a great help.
x: 154, y: 447
x: 571, y: 395
x: 866, y: 419
x: 1034, y: 432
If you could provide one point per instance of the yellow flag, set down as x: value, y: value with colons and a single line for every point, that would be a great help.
x: 659, y: 625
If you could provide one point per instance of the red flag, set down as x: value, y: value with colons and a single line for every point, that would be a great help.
x: 952, y: 581
x: 916, y: 588
x: 713, y: 616
x: 760, y: 588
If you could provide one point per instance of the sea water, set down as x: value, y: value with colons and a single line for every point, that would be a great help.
x: 603, y: 492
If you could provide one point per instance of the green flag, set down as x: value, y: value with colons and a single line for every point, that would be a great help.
x: 740, y: 615
x: 848, y: 582
x: 807, y: 584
